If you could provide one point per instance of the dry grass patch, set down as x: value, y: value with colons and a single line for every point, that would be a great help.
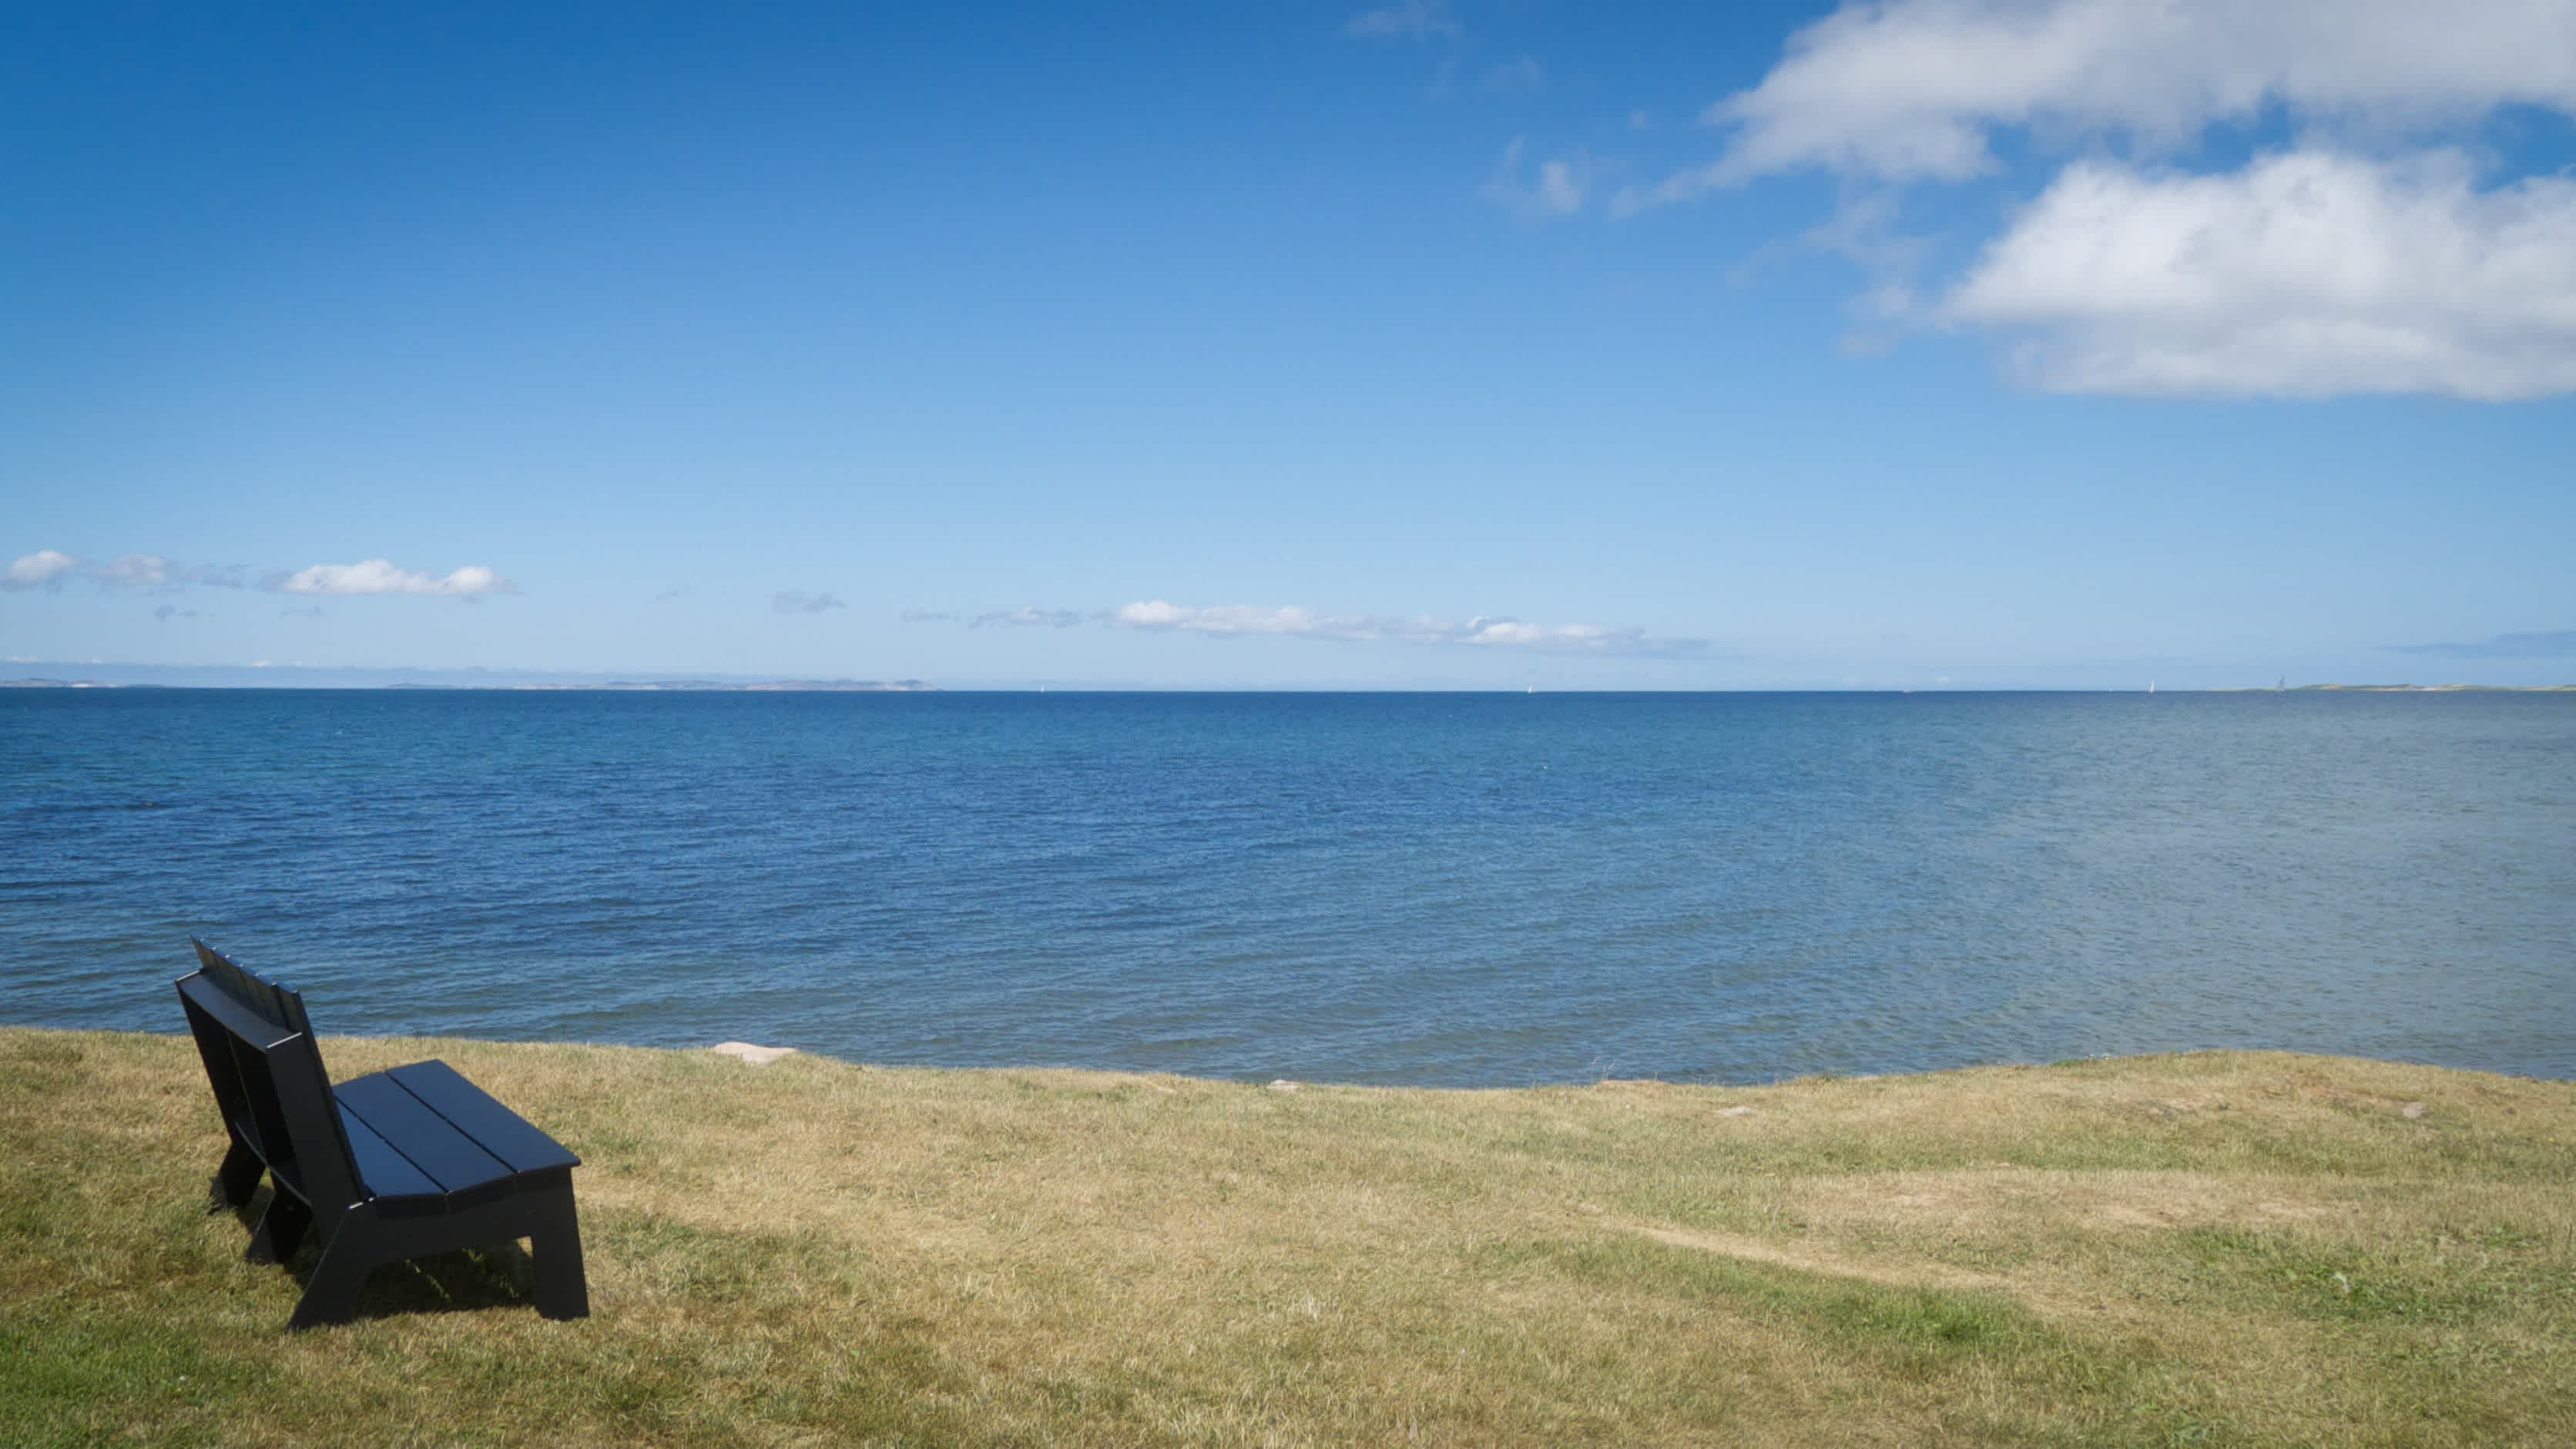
x: 2204, y: 1248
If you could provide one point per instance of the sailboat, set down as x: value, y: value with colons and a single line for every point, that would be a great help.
x: 2151, y: 686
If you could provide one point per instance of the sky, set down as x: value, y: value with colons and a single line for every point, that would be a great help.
x: 1919, y: 344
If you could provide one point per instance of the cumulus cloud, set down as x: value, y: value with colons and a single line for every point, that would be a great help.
x: 44, y: 569
x: 1407, y: 20
x: 2552, y: 644
x: 1027, y: 616
x: 1552, y: 188
x: 1245, y: 619
x: 797, y: 601
x: 2361, y: 260
x: 378, y: 576
x: 2309, y: 273
x: 1913, y: 89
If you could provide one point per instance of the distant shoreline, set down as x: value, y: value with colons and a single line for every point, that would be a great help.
x: 2392, y: 689
x: 614, y: 686
x: 915, y: 686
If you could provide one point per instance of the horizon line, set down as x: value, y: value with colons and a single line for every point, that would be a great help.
x: 707, y: 684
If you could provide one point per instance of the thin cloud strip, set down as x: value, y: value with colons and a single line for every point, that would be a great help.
x: 134, y: 571
x: 1026, y: 617
x: 1484, y: 632
x: 1408, y: 20
x: 2549, y: 644
x: 379, y: 576
x: 154, y: 572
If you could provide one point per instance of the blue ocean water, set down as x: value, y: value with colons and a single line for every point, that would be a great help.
x: 1441, y: 888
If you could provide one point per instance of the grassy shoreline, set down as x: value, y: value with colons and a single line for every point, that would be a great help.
x: 2210, y: 1247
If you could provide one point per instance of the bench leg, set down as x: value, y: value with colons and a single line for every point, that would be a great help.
x: 281, y: 1228
x: 238, y: 1178
x: 562, y: 1291
x: 331, y: 1294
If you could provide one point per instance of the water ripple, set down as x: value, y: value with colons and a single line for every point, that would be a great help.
x: 1471, y: 890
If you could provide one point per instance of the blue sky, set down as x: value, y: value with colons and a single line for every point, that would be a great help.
x: 2050, y: 342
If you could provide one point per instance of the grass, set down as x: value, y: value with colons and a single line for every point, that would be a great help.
x: 2208, y: 1248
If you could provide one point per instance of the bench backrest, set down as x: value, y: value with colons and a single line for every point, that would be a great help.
x: 268, y: 1078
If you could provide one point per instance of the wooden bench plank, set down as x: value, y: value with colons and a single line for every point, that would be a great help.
x: 390, y: 1166
x: 432, y: 1143
x: 500, y: 1131
x: 384, y: 1172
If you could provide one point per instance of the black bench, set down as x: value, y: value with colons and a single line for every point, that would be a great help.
x: 392, y: 1165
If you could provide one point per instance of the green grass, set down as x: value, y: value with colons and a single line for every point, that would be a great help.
x: 2209, y: 1248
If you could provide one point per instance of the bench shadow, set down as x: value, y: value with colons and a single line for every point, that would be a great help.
x: 465, y: 1281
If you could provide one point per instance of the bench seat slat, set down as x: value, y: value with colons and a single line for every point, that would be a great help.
x: 385, y: 1172
x: 433, y: 1144
x: 497, y: 1129
x: 391, y: 1166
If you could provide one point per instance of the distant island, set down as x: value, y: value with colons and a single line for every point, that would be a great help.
x: 2405, y: 689
x: 248, y: 677
x: 718, y: 686
x: 686, y: 686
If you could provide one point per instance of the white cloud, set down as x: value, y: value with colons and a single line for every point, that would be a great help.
x: 1408, y: 20
x: 1911, y: 89
x: 1242, y: 619
x: 1027, y: 616
x: 378, y: 576
x: 2309, y: 273
x: 44, y: 569
x: 1560, y: 187
x: 133, y: 571
x: 2358, y: 262
x: 1553, y: 188
x: 152, y: 571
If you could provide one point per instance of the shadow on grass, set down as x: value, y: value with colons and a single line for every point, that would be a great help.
x: 468, y: 1280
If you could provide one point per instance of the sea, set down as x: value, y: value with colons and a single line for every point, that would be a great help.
x: 1463, y: 890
